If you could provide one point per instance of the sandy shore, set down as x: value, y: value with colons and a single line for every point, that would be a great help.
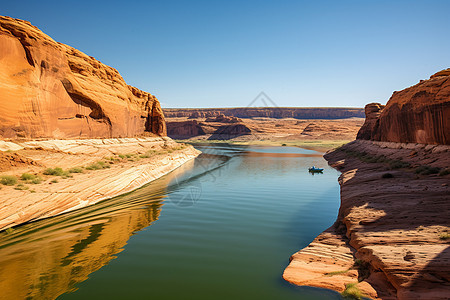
x: 92, y: 170
x: 391, y: 238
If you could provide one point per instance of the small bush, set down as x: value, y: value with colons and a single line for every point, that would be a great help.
x: 8, y: 180
x: 352, y: 291
x: 21, y: 187
x: 121, y: 156
x: 55, y: 172
x: 36, y: 180
x: 363, y: 269
x: 76, y: 170
x: 54, y: 181
x: 387, y: 175
x: 444, y: 172
x: 427, y: 170
x: 398, y: 164
x: 98, y: 166
x: 283, y: 145
x: 9, y: 230
x: 27, y: 176
x: 444, y: 236
x: 337, y: 272
x: 31, y: 178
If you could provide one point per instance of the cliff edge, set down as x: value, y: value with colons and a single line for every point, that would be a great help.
x: 418, y: 114
x: 51, y: 90
x: 391, y: 237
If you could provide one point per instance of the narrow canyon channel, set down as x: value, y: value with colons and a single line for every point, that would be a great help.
x: 223, y: 226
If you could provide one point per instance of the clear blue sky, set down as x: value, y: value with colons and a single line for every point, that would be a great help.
x: 223, y: 53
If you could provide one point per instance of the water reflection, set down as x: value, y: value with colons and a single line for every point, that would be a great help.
x: 45, y: 259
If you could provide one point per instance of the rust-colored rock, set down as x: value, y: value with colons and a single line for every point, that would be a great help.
x: 392, y: 222
x: 48, y: 89
x: 418, y: 114
x: 185, y: 129
x: 372, y: 111
x: 223, y: 119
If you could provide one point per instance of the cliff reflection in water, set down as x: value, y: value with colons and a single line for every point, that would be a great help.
x: 45, y: 259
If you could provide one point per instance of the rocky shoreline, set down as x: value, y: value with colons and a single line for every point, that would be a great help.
x: 391, y: 237
x: 101, y: 169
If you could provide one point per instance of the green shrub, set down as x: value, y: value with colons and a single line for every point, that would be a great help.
x: 337, y: 272
x: 31, y: 178
x: 55, y: 172
x: 363, y: 269
x: 54, y: 181
x: 352, y: 291
x: 444, y: 236
x: 36, y: 180
x: 27, y: 176
x: 76, y: 170
x: 398, y: 164
x: 8, y: 180
x: 9, y: 230
x: 21, y: 187
x: 98, y: 166
x: 427, y: 170
x: 283, y: 145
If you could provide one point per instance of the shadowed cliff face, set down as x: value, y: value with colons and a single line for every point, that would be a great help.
x: 419, y: 114
x: 48, y: 89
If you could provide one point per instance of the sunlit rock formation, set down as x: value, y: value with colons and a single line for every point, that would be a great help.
x: 418, y: 114
x: 48, y: 89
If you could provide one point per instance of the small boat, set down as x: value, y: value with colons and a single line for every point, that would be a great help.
x: 313, y: 169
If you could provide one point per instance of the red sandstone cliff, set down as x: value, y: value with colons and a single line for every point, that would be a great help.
x: 419, y: 114
x: 48, y: 89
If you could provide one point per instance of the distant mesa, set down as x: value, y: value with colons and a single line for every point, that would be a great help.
x: 418, y: 114
x: 223, y: 119
x: 267, y: 112
x: 51, y: 90
x: 185, y: 129
x: 227, y: 132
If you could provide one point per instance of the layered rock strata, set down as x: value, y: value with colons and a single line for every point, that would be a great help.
x: 419, y: 114
x: 51, y: 90
x: 149, y: 159
x: 392, y: 230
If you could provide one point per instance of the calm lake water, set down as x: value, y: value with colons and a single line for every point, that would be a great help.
x: 220, y: 227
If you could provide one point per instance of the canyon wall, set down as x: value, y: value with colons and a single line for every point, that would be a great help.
x: 418, y: 114
x: 51, y: 90
x: 267, y: 112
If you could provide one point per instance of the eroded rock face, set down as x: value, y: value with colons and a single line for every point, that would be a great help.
x: 186, y: 129
x: 48, y: 89
x: 372, y: 111
x: 418, y: 114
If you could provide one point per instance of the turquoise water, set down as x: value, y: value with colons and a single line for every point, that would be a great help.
x: 220, y: 227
